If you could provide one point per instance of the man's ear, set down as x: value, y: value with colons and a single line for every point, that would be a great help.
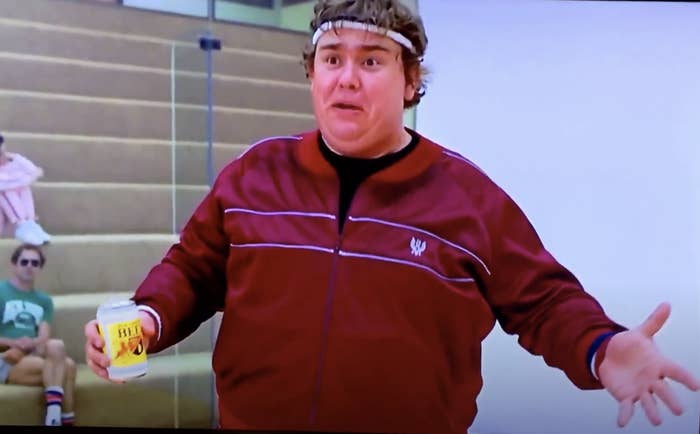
x: 410, y: 92
x: 309, y: 67
x: 412, y: 83
x: 310, y: 75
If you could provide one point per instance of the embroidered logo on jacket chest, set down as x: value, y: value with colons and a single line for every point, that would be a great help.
x: 417, y: 246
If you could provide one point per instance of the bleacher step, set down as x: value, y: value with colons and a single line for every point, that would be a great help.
x: 117, y: 160
x: 89, y: 208
x: 103, y: 404
x: 96, y: 263
x: 72, y: 77
x: 95, y: 17
x: 92, y: 116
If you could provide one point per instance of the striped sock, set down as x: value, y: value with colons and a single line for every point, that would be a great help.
x: 53, y: 395
x: 54, y: 399
x: 68, y: 419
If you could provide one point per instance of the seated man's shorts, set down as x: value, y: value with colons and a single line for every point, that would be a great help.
x: 4, y: 371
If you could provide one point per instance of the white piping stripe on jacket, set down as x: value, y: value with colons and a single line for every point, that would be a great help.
x: 404, y: 262
x: 592, y: 365
x: 464, y: 160
x: 272, y: 213
x: 356, y: 255
x: 413, y: 228
x: 149, y: 309
x: 285, y: 246
x: 265, y: 140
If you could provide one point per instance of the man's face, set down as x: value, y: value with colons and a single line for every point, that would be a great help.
x: 358, y: 89
x: 27, y: 266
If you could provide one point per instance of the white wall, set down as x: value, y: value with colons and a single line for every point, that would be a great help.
x: 588, y: 114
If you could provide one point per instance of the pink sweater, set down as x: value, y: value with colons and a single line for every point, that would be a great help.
x: 18, y: 172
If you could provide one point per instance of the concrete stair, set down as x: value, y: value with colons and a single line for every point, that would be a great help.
x: 67, y: 77
x: 109, y: 45
x: 111, y: 21
x: 86, y: 93
x: 92, y: 116
x: 95, y: 263
x: 187, y: 376
x: 78, y: 208
x: 120, y: 160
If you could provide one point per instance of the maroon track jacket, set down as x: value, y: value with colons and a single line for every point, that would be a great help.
x: 376, y: 329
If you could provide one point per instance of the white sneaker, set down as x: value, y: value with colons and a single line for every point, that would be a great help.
x: 40, y: 231
x: 25, y: 233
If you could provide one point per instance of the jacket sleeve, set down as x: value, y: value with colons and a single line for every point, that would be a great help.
x: 188, y: 286
x: 541, y: 301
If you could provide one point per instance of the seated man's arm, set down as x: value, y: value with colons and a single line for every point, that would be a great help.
x: 12, y: 355
x: 24, y: 343
x: 43, y: 335
x: 6, y: 343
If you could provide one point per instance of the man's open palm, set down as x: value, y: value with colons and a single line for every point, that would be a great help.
x: 634, y: 370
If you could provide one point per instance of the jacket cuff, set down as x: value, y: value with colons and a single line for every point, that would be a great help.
x: 596, y: 352
x: 155, y: 315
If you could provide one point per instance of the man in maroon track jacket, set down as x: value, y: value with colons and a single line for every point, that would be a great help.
x: 359, y: 266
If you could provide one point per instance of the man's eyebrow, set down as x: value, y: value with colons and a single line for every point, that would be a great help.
x: 375, y: 47
x: 363, y: 47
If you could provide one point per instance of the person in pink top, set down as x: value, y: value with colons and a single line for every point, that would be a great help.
x: 17, y: 174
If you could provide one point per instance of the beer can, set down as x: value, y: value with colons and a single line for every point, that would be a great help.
x: 120, y: 327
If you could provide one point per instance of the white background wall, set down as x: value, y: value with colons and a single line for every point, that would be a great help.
x: 588, y: 114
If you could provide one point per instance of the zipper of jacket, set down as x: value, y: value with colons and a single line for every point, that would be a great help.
x: 324, y: 334
x: 316, y: 396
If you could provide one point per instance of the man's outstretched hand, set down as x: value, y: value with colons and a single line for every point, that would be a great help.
x: 634, y: 370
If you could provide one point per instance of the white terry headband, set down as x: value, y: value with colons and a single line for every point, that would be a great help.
x: 328, y: 25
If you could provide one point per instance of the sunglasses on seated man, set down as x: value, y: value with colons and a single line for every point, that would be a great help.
x: 34, y: 262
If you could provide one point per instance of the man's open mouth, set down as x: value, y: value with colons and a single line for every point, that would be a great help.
x: 346, y: 106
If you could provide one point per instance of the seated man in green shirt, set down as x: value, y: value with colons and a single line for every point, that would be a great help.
x: 28, y: 356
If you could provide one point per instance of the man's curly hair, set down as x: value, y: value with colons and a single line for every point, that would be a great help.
x: 389, y: 14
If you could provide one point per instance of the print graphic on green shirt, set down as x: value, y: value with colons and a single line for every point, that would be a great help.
x: 21, y: 312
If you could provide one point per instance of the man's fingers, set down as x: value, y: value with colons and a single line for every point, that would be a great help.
x: 666, y: 395
x: 678, y: 373
x: 625, y: 413
x: 148, y: 324
x: 92, y: 335
x: 93, y: 347
x: 98, y: 362
x: 148, y: 327
x: 656, y: 320
x: 96, y: 356
x: 99, y: 371
x: 650, y: 408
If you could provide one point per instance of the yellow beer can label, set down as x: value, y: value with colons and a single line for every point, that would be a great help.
x: 126, y: 343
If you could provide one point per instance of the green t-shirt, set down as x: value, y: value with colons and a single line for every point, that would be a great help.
x: 22, y: 311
